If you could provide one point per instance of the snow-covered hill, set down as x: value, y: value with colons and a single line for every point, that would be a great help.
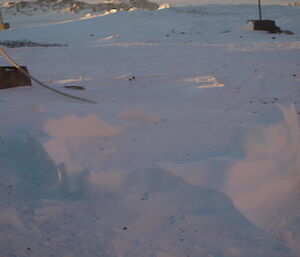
x: 72, y: 6
x: 192, y: 150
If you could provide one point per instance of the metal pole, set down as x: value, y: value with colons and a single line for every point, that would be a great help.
x: 1, y: 20
x: 259, y: 9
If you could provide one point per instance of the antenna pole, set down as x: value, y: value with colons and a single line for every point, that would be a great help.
x: 259, y: 9
x: 1, y: 20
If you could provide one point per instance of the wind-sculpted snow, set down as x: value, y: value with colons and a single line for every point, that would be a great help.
x: 262, y: 172
x: 69, y: 134
x: 143, y: 212
x: 35, y: 173
x: 192, y: 149
x: 147, y: 211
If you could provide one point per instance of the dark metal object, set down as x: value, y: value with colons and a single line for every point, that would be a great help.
x: 12, y: 77
x: 266, y: 25
x: 3, y: 25
x: 259, y: 9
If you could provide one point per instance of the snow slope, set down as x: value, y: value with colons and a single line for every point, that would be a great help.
x: 192, y: 149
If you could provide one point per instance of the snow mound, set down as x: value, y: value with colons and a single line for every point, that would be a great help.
x: 262, y: 172
x: 28, y: 162
x: 69, y: 134
x: 72, y: 80
x: 271, y: 158
x: 144, y: 212
x: 205, y: 82
x: 148, y: 211
x: 160, y: 208
x: 138, y: 114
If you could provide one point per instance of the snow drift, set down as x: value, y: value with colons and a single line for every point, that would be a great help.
x: 261, y: 174
x: 143, y: 212
x: 171, y: 163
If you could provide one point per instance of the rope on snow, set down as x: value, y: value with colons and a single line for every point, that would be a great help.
x: 5, y: 55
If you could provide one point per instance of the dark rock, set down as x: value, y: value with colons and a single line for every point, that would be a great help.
x: 74, y: 87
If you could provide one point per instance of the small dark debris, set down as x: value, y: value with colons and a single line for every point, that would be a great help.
x: 294, y: 75
x: 125, y: 228
x: 181, y: 239
x: 273, y: 37
x: 250, y: 102
x: 27, y: 43
x: 287, y: 32
x: 92, y: 35
x: 167, y: 35
x: 74, y: 87
x: 131, y: 78
x: 28, y: 248
x: 276, y: 99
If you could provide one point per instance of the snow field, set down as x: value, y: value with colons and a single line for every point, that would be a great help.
x: 196, y: 156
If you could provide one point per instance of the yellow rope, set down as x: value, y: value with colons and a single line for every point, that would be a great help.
x: 5, y: 55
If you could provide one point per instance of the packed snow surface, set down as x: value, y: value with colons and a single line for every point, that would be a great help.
x: 192, y: 150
